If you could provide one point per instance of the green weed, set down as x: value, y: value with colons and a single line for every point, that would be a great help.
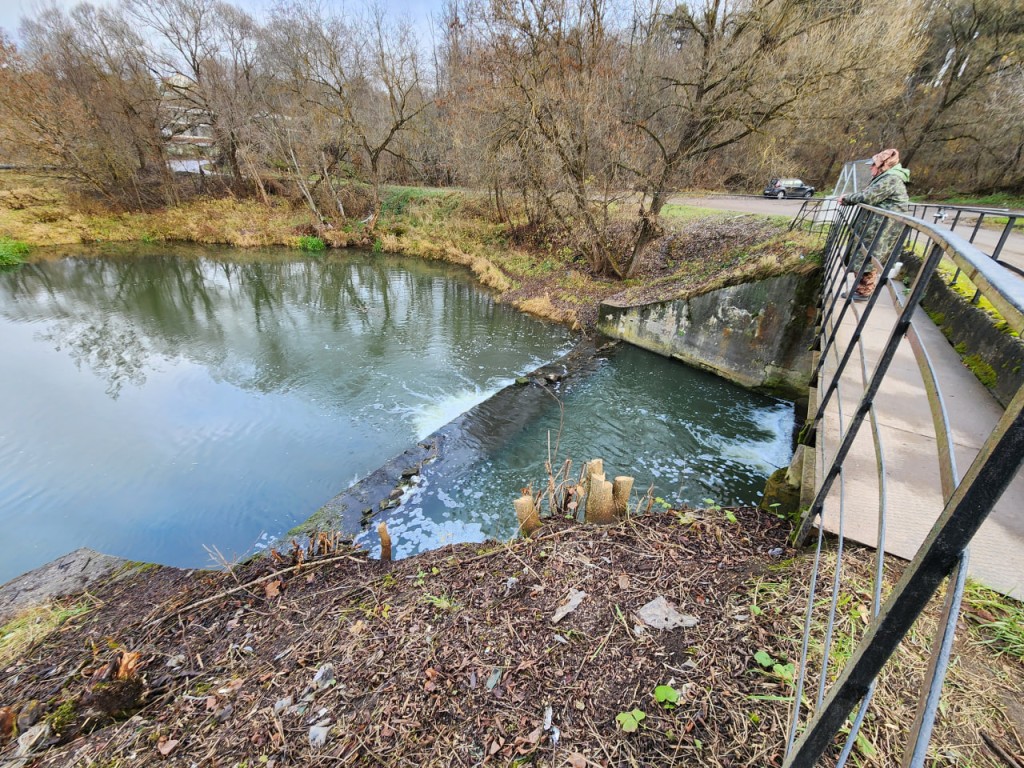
x: 442, y: 603
x: 312, y: 244
x: 12, y: 252
x: 667, y: 696
x: 629, y: 722
x: 998, y: 621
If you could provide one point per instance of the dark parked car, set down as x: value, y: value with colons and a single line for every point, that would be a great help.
x: 782, y: 188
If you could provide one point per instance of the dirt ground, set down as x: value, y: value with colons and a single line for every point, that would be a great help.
x: 450, y: 658
x: 636, y: 644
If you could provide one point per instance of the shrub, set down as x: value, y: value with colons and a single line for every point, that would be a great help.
x: 12, y: 252
x: 311, y: 243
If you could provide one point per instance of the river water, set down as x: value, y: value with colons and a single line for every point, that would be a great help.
x: 184, y: 407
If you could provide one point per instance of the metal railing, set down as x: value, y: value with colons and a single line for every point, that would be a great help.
x: 817, y: 214
x: 859, y: 239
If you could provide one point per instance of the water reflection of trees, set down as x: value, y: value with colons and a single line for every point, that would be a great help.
x: 110, y: 348
x: 258, y: 323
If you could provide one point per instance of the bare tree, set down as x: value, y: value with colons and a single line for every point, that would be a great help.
x: 584, y: 100
x: 971, y: 44
x: 359, y: 79
x: 81, y: 102
x: 205, y: 62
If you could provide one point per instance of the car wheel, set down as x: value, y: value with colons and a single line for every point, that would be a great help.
x: 781, y: 195
x: 808, y: 194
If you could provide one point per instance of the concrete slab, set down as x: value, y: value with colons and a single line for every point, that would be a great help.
x: 69, y: 574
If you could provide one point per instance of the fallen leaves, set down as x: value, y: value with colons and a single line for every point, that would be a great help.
x: 659, y: 613
x: 570, y: 604
x: 8, y: 719
x: 323, y: 673
x: 165, y: 745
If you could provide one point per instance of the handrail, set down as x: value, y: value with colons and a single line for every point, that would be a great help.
x: 817, y: 214
x: 861, y: 238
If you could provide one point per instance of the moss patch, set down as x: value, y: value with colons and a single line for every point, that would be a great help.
x: 986, y: 373
x: 780, y: 497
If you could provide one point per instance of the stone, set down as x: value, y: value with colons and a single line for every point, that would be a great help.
x: 778, y: 491
x: 32, y: 738
x: 281, y: 705
x: 324, y: 677
x: 319, y: 733
x: 69, y: 574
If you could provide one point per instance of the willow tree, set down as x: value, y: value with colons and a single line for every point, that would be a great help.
x: 532, y: 84
x: 350, y: 87
x: 204, y: 56
x: 710, y: 75
x: 78, y: 102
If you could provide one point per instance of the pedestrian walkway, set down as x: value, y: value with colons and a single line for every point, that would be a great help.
x: 908, y: 444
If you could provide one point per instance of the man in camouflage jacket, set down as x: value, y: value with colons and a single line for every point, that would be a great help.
x: 887, y: 190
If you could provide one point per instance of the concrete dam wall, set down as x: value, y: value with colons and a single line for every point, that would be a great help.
x: 757, y: 334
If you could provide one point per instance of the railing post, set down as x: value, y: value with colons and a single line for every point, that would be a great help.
x: 928, y: 704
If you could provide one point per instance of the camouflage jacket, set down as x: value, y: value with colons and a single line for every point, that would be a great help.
x: 887, y: 190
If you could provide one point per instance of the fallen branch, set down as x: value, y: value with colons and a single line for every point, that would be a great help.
x: 247, y: 585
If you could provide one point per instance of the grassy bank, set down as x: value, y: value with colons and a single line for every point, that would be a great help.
x: 701, y: 248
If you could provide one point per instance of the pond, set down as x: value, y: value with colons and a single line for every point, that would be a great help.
x: 184, y: 407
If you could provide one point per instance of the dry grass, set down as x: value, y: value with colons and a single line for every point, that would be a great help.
x: 32, y: 625
x: 454, y: 226
x: 981, y: 695
x: 41, y: 213
x: 542, y: 306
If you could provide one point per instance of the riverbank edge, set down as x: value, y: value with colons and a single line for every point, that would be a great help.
x: 531, y: 273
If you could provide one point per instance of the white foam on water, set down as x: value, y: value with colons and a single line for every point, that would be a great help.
x: 433, y: 414
x: 765, y: 455
x: 447, y: 500
x: 414, y: 532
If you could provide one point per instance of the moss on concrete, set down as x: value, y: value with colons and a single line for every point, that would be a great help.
x: 780, y: 497
x: 986, y: 373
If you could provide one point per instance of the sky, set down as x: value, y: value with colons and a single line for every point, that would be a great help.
x: 417, y: 11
